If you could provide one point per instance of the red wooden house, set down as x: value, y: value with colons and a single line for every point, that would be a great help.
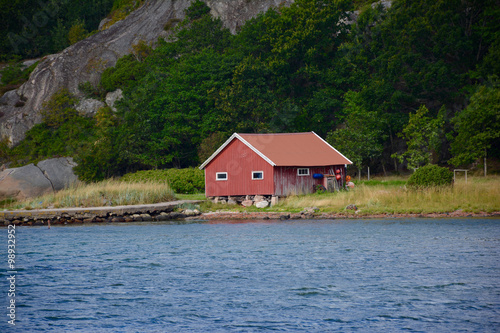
x: 273, y: 164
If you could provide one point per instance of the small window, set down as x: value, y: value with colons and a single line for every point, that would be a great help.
x: 221, y: 175
x: 303, y: 172
x: 257, y: 174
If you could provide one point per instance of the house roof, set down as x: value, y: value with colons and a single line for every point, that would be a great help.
x: 288, y: 149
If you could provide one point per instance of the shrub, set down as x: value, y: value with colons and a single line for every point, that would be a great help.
x: 430, y: 175
x: 43, y: 141
x: 125, y: 72
x: 121, y: 9
x: 90, y: 91
x: 14, y: 73
x: 59, y: 108
x: 189, y: 180
x: 197, y: 9
x: 77, y: 32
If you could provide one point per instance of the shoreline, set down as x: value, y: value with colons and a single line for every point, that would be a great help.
x: 165, y: 212
x: 332, y: 216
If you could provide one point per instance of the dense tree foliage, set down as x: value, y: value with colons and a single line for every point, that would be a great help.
x: 410, y: 80
x: 422, y: 136
x: 478, y: 126
x: 64, y: 132
x: 31, y: 28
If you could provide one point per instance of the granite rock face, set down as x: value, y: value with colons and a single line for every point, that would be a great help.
x: 234, y: 13
x: 32, y: 180
x: 89, y: 106
x: 86, y: 60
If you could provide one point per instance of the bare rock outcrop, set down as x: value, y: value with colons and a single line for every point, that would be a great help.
x: 113, y: 97
x: 32, y: 180
x: 234, y: 13
x: 86, y: 60
x: 89, y: 106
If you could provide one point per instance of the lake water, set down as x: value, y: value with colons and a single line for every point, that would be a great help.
x: 415, y: 275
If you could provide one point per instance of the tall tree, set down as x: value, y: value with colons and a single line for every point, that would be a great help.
x: 478, y: 125
x: 360, y: 136
x: 422, y: 136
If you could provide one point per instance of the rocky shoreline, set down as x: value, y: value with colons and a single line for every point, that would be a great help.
x: 167, y: 212
x: 133, y: 213
x: 331, y: 216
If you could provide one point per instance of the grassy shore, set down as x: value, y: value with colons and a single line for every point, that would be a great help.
x: 391, y: 196
x: 377, y: 196
x: 106, y: 193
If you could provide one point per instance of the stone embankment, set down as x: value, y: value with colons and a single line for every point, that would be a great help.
x: 134, y: 213
x: 311, y: 214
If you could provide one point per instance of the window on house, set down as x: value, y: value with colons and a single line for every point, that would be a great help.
x: 257, y: 174
x: 303, y: 171
x: 221, y: 175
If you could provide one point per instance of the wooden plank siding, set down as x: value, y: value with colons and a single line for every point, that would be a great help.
x: 238, y: 160
x: 287, y: 182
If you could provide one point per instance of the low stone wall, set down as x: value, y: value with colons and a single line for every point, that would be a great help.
x: 135, y: 213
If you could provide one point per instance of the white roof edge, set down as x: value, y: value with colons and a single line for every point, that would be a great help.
x: 332, y: 147
x: 201, y: 167
x: 255, y: 150
x: 245, y: 142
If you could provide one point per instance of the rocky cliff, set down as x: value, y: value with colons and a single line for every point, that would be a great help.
x: 87, y: 59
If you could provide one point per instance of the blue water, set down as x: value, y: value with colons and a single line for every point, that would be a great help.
x: 415, y: 275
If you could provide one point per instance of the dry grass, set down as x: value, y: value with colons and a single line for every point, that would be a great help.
x: 106, y: 193
x: 478, y: 195
x: 382, y: 195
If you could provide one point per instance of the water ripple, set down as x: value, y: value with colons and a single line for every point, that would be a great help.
x: 296, y: 276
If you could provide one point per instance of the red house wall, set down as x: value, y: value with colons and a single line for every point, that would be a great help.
x: 238, y: 161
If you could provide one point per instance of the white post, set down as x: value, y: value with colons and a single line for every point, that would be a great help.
x: 455, y: 177
x: 485, y: 162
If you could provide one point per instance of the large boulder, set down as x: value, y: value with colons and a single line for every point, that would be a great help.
x: 24, y: 182
x: 262, y: 204
x: 59, y: 171
x: 32, y: 180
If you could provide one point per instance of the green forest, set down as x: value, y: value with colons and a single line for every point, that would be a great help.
x: 394, y: 90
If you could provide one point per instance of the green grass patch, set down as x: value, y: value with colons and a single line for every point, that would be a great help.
x: 181, y: 181
x: 386, y: 183
x: 193, y: 196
